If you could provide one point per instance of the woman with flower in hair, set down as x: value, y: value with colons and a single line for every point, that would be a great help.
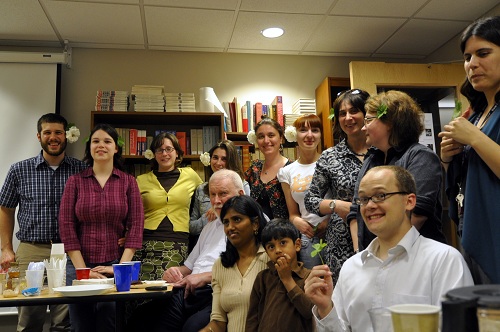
x: 263, y: 174
x: 295, y: 180
x: 166, y: 195
x: 336, y: 172
x: 393, y: 125
x: 98, y: 206
x: 223, y: 155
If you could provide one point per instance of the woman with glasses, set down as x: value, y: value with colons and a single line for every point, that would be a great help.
x: 470, y: 152
x: 336, y: 172
x: 393, y: 124
x: 166, y: 195
x: 223, y: 155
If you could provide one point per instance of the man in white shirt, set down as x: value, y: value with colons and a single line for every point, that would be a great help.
x: 399, y: 266
x: 191, y: 303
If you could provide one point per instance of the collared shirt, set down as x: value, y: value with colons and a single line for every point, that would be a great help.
x: 92, y: 218
x: 37, y: 189
x: 417, y: 270
x: 211, y: 243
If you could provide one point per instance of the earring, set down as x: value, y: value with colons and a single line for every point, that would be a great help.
x: 256, y: 231
x: 281, y: 147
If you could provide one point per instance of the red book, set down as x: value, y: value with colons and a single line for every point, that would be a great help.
x: 278, y: 101
x: 232, y: 116
x: 258, y: 112
x: 244, y: 118
x: 181, y: 136
x: 133, y: 142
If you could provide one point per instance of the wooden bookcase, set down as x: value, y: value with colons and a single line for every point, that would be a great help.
x: 326, y: 93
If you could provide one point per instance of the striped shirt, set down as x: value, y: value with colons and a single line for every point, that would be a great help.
x: 36, y: 188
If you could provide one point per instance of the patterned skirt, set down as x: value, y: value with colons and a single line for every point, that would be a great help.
x: 157, y: 256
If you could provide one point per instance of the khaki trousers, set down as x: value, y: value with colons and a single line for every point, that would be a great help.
x: 32, y: 318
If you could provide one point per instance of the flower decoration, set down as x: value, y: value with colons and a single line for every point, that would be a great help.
x: 318, y: 247
x: 121, y: 142
x: 72, y: 133
x: 148, y: 154
x: 205, y: 159
x: 332, y: 114
x: 381, y: 110
x: 251, y: 137
x: 291, y: 134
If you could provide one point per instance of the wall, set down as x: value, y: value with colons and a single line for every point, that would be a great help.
x: 245, y: 76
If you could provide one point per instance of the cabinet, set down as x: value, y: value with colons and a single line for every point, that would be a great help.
x: 152, y: 121
x: 326, y: 93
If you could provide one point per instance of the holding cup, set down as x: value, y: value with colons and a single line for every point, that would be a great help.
x: 123, y: 276
x: 415, y: 317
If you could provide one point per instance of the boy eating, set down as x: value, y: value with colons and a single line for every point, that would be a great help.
x: 277, y: 301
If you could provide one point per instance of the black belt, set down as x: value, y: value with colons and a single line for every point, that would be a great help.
x: 37, y: 242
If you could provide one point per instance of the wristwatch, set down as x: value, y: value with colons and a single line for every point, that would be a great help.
x: 333, y: 204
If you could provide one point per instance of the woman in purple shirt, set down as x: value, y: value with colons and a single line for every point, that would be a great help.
x: 98, y: 206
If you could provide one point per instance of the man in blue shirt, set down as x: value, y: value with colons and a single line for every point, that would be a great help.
x: 36, y: 186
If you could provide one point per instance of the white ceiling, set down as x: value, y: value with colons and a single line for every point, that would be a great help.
x: 409, y: 29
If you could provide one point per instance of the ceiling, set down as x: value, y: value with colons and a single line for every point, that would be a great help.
x: 406, y: 29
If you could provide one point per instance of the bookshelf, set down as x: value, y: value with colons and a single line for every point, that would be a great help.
x: 152, y: 121
x: 326, y: 93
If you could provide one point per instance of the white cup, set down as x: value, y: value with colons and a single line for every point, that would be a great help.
x: 55, y: 278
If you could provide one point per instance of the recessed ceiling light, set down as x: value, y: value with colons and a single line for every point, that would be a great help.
x: 272, y: 32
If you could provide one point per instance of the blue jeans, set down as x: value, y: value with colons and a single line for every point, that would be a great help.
x: 305, y: 252
x: 90, y: 316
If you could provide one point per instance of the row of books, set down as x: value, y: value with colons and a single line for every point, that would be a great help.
x: 111, y: 100
x: 244, y: 117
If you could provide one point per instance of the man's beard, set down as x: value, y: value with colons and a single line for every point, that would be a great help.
x: 62, y: 147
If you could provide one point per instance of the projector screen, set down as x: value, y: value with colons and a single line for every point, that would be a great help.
x: 27, y: 91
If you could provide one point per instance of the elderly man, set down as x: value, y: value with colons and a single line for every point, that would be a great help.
x: 399, y: 265
x: 191, y: 303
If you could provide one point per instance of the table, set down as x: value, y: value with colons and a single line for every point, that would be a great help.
x: 113, y: 296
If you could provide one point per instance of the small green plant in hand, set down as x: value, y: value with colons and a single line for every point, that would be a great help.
x: 318, y: 248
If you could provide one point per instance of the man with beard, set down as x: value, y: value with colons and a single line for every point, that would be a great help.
x: 36, y: 185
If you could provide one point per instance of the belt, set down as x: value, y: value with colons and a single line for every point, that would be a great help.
x: 37, y: 242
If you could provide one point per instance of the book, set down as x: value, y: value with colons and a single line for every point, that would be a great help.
x: 244, y: 118
x: 199, y: 136
x: 194, y: 141
x: 258, y: 112
x: 181, y: 137
x: 132, y: 142
x: 278, y: 102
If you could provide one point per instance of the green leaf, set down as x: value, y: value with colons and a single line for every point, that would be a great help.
x: 382, y: 110
x: 318, y: 248
x: 332, y: 113
x: 458, y: 109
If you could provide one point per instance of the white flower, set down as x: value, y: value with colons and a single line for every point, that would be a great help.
x: 251, y: 137
x: 149, y: 154
x: 72, y: 134
x: 205, y: 159
x: 291, y: 134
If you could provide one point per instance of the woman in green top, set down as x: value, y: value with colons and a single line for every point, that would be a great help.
x: 166, y: 195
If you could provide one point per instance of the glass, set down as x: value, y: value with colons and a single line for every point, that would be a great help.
x: 168, y: 149
x: 369, y: 119
x: 377, y: 198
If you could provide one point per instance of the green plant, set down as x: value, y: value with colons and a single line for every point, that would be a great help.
x: 318, y: 248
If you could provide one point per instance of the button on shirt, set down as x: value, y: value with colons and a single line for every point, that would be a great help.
x: 37, y: 189
x: 417, y: 270
x: 211, y: 243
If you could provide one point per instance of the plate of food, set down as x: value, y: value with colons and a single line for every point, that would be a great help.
x: 84, y: 290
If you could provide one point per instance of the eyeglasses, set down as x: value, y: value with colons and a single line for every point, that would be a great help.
x: 369, y: 119
x: 377, y: 198
x: 352, y: 91
x: 168, y: 149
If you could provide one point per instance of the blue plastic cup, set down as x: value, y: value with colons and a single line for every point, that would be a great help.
x: 123, y: 276
x: 136, y: 269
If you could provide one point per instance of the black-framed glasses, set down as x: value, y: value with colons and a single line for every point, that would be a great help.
x: 369, y: 119
x: 168, y: 149
x: 351, y: 91
x: 377, y: 198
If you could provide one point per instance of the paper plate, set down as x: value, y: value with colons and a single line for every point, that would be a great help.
x: 147, y: 283
x: 84, y: 290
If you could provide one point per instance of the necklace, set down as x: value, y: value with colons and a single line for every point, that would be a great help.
x: 359, y: 154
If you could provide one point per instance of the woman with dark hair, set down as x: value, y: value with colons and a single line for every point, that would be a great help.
x: 471, y: 154
x: 393, y: 125
x: 332, y: 186
x: 263, y: 174
x: 234, y: 273
x: 223, y: 155
x: 166, y: 194
x: 98, y: 206
x: 295, y: 180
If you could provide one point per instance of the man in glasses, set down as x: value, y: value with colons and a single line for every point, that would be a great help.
x: 399, y: 266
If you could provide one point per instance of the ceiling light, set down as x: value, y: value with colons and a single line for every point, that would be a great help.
x: 272, y: 32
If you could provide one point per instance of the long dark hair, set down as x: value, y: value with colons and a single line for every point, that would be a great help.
x: 246, y: 206
x: 357, y: 98
x: 489, y: 29
x: 233, y: 161
x: 117, y: 157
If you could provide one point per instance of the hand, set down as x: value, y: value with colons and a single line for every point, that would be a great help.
x: 190, y: 283
x: 8, y: 256
x: 102, y: 270
x: 97, y: 275
x: 283, y: 267
x: 321, y: 229
x: 303, y: 226
x: 450, y: 148
x: 173, y: 274
x: 319, y: 289
x: 211, y: 215
x: 461, y: 131
x: 121, y: 241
